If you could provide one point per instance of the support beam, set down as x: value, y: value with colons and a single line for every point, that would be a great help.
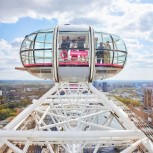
x: 69, y: 135
x: 17, y: 121
x: 81, y: 120
x: 114, y: 108
x: 13, y: 147
x: 148, y: 145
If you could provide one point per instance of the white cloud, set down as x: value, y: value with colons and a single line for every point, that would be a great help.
x: 9, y: 54
x: 10, y: 50
x: 9, y: 59
x: 121, y: 16
x: 138, y: 73
x: 11, y: 11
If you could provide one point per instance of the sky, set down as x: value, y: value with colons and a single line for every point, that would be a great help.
x: 132, y: 20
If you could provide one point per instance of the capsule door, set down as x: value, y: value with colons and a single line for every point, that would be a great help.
x: 73, y: 56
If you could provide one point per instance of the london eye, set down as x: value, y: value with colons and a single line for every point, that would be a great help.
x: 73, y: 116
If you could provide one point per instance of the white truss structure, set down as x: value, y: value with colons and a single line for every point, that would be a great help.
x: 73, y: 118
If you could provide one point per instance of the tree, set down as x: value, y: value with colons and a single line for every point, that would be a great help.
x: 128, y: 101
x: 5, y: 113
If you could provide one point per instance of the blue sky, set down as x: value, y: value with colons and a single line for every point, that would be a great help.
x: 132, y: 20
x: 23, y: 27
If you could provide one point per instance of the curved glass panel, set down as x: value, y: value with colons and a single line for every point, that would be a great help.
x: 27, y: 57
x: 43, y: 56
x: 40, y: 41
x: 118, y: 43
x: 37, y: 48
x: 28, y: 42
x: 119, y: 57
x: 43, y: 40
x: 110, y: 55
x: 48, y: 40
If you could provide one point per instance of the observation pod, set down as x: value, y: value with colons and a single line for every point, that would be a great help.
x: 73, y: 53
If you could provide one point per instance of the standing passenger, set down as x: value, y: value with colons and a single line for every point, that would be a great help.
x: 107, y: 53
x: 68, y: 42
x: 65, y: 46
x: 80, y: 46
x: 73, y: 45
x: 99, y: 53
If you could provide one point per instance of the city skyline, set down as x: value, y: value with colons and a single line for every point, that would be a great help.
x: 129, y: 19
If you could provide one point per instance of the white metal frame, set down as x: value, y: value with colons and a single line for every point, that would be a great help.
x: 72, y: 117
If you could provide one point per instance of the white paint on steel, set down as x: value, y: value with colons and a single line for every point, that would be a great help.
x: 74, y: 117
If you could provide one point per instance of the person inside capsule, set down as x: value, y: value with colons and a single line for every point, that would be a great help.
x: 64, y: 47
x: 80, y: 46
x: 68, y: 42
x: 107, y: 53
x: 73, y: 46
x: 100, y: 53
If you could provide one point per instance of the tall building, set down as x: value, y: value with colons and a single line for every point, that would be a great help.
x: 97, y: 85
x: 104, y: 86
x: 148, y: 97
x: 1, y: 92
x: 1, y: 99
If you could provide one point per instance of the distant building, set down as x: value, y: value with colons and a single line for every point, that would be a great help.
x: 146, y: 112
x: 1, y: 98
x: 148, y: 97
x: 1, y: 92
x: 96, y: 84
x: 146, y: 115
x: 105, y: 87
